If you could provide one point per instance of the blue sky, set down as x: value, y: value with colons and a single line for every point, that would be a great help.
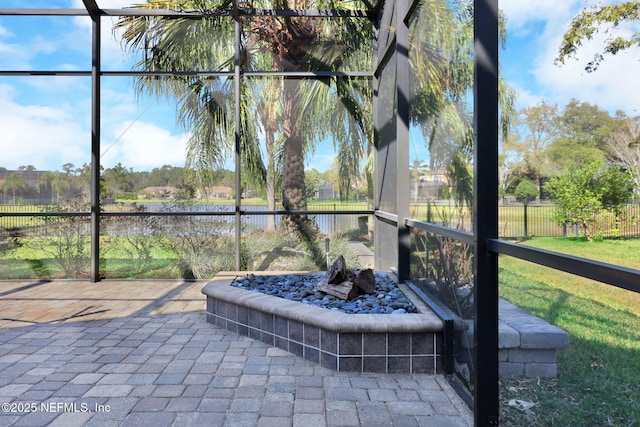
x: 535, y: 30
x: 45, y: 120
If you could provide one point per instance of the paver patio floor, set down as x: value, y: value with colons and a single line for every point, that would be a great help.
x: 140, y: 353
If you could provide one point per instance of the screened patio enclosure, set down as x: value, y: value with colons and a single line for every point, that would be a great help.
x: 251, y: 98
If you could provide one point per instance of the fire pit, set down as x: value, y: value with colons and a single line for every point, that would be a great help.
x: 394, y: 343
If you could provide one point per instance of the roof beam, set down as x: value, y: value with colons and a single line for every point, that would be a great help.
x: 92, y: 8
x: 42, y: 12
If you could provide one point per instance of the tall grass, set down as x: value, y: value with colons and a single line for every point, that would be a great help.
x: 194, y: 255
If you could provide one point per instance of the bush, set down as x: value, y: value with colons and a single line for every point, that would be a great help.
x: 140, y: 235
x: 68, y: 240
x: 584, y: 193
x: 526, y: 191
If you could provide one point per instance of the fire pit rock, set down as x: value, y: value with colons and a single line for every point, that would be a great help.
x: 388, y: 298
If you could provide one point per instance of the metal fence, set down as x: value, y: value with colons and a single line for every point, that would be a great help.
x: 515, y: 221
x: 518, y: 221
x: 34, y: 221
x: 537, y: 220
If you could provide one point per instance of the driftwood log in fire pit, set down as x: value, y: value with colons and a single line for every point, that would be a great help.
x: 346, y: 283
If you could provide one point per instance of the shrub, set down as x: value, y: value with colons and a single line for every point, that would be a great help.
x: 585, y: 193
x: 68, y: 240
x: 526, y: 191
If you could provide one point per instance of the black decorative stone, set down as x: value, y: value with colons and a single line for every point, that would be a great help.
x: 387, y: 298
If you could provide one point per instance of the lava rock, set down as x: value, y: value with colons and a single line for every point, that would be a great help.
x: 388, y: 298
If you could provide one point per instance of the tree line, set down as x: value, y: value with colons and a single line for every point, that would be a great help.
x: 123, y: 183
x: 70, y: 182
x: 547, y: 141
x: 581, y: 157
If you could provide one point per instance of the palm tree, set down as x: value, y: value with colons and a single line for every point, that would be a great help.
x: 290, y: 44
x: 59, y: 184
x: 442, y: 63
x: 269, y: 111
x: 45, y: 183
x: 418, y: 167
x: 15, y: 183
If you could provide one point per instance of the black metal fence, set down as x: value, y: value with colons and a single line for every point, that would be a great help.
x: 515, y: 221
x: 518, y: 221
x: 36, y: 221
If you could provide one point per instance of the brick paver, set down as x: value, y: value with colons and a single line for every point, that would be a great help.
x: 140, y: 353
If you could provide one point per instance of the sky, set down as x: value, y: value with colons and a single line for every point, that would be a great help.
x: 45, y: 121
x: 535, y: 30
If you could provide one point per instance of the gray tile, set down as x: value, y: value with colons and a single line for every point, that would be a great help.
x: 214, y: 405
x: 347, y: 394
x: 109, y: 379
x: 149, y: 420
x: 137, y: 379
x: 309, y: 393
x: 209, y: 419
x: 373, y: 414
x: 70, y: 419
x: 269, y: 421
x: 196, y: 390
x: 72, y: 390
x: 342, y: 418
x: 14, y: 390
x: 151, y: 404
x: 277, y: 408
x: 245, y: 405
x: 382, y: 395
x: 109, y: 391
x: 241, y: 419
x: 410, y: 408
x: 183, y: 404
x: 173, y: 390
x: 37, y: 419
x: 86, y: 378
x: 164, y: 379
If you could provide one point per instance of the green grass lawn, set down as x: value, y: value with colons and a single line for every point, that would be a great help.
x: 599, y: 374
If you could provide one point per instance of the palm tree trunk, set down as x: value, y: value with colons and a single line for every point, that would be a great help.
x: 293, y: 189
x: 294, y: 196
x: 271, y: 178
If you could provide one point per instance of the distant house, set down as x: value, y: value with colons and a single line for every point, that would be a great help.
x: 158, y: 192
x: 248, y: 194
x: 324, y: 190
x: 214, y: 192
x: 429, y: 185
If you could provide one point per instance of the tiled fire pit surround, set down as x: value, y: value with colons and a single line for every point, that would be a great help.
x: 392, y: 343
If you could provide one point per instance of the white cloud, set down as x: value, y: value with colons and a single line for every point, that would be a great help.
x: 526, y: 97
x: 16, y: 56
x: 143, y: 146
x: 537, y: 29
x: 613, y: 86
x: 40, y: 135
x: 43, y: 43
x: 521, y: 14
x: 47, y: 128
x: 113, y: 56
x: 4, y: 32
